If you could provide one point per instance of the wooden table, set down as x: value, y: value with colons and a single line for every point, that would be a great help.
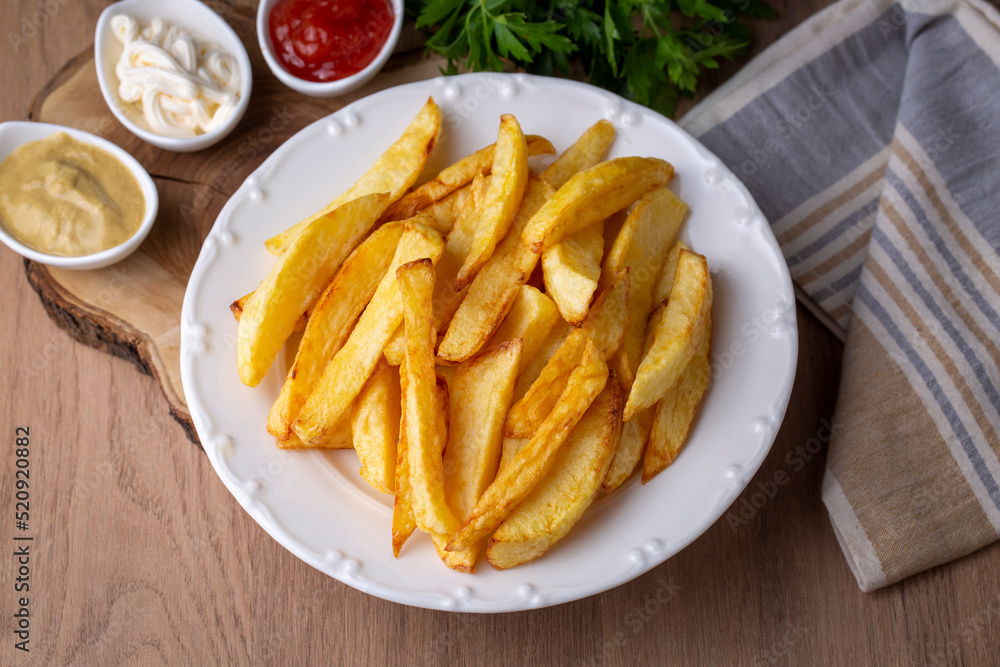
x: 142, y: 556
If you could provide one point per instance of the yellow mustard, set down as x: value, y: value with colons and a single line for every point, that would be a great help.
x: 66, y: 197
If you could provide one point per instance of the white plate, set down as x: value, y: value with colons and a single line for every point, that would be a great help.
x: 316, y: 505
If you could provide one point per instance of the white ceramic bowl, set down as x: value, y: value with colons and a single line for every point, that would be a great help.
x: 197, y: 19
x: 327, y: 88
x: 14, y: 134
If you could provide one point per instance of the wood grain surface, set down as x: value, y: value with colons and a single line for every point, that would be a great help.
x: 141, y: 556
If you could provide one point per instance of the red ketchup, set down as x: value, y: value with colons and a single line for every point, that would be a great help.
x: 326, y: 40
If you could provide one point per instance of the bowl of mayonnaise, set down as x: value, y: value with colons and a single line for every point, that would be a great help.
x: 71, y: 199
x: 174, y: 73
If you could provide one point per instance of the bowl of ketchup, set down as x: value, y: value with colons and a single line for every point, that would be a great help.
x: 326, y: 48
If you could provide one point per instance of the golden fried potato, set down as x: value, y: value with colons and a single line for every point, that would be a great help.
x: 677, y: 334
x: 446, y: 299
x: 530, y: 465
x: 492, y: 294
x: 456, y: 176
x: 375, y: 427
x: 332, y: 319
x: 236, y: 308
x: 353, y: 364
x: 511, y: 446
x: 339, y: 437
x: 423, y: 420
x: 665, y: 282
x: 560, y: 499
x: 530, y: 372
x: 584, y: 154
x: 296, y: 280
x: 642, y: 245
x: 447, y: 211
x: 393, y: 173
x: 675, y: 412
x: 403, y: 524
x: 635, y: 435
x: 594, y: 194
x: 531, y: 318
x: 500, y: 205
x: 572, y: 268
x: 605, y: 325
x: 480, y: 396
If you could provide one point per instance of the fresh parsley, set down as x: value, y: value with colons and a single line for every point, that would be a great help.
x: 650, y: 51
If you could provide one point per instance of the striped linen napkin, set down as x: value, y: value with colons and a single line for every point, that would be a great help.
x: 870, y: 136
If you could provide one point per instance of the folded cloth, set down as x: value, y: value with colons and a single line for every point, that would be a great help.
x: 870, y: 137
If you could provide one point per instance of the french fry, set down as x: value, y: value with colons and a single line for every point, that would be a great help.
x: 572, y: 268
x: 665, y: 282
x: 677, y: 334
x: 533, y: 461
x: 584, y: 154
x: 236, y: 308
x: 642, y: 244
x: 446, y: 299
x: 635, y: 435
x: 297, y: 279
x: 560, y: 499
x: 594, y: 194
x: 479, y: 398
x: 605, y: 325
x: 393, y: 172
x: 353, y: 364
x: 453, y: 177
x: 446, y: 212
x: 492, y: 293
x: 502, y: 200
x: 511, y: 446
x: 529, y: 373
x: 675, y: 412
x: 333, y: 317
x: 423, y: 427
x: 530, y: 319
x: 403, y: 524
x: 375, y: 427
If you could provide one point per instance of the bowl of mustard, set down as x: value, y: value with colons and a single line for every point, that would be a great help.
x: 71, y: 199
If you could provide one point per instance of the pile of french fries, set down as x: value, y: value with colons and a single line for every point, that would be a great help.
x: 497, y: 345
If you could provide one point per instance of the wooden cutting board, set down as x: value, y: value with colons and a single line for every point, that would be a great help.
x: 133, y: 309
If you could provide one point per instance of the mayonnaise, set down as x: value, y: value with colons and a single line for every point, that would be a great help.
x: 186, y: 86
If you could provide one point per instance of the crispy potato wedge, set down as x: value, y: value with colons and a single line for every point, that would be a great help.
x: 340, y: 437
x: 560, y: 499
x: 572, y: 268
x: 665, y: 281
x: 675, y: 412
x: 447, y: 211
x: 393, y: 172
x: 635, y: 435
x: 503, y: 197
x: 533, y: 461
x: 594, y: 194
x: 511, y: 446
x: 296, y: 280
x: 236, y: 308
x: 353, y: 364
x: 446, y: 299
x: 395, y: 349
x: 333, y: 318
x: 642, y: 245
x: 531, y: 318
x: 423, y: 419
x: 605, y: 325
x: 530, y: 372
x: 588, y: 150
x: 375, y: 427
x: 480, y: 396
x: 492, y: 294
x: 453, y: 177
x: 677, y: 334
x: 403, y: 524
